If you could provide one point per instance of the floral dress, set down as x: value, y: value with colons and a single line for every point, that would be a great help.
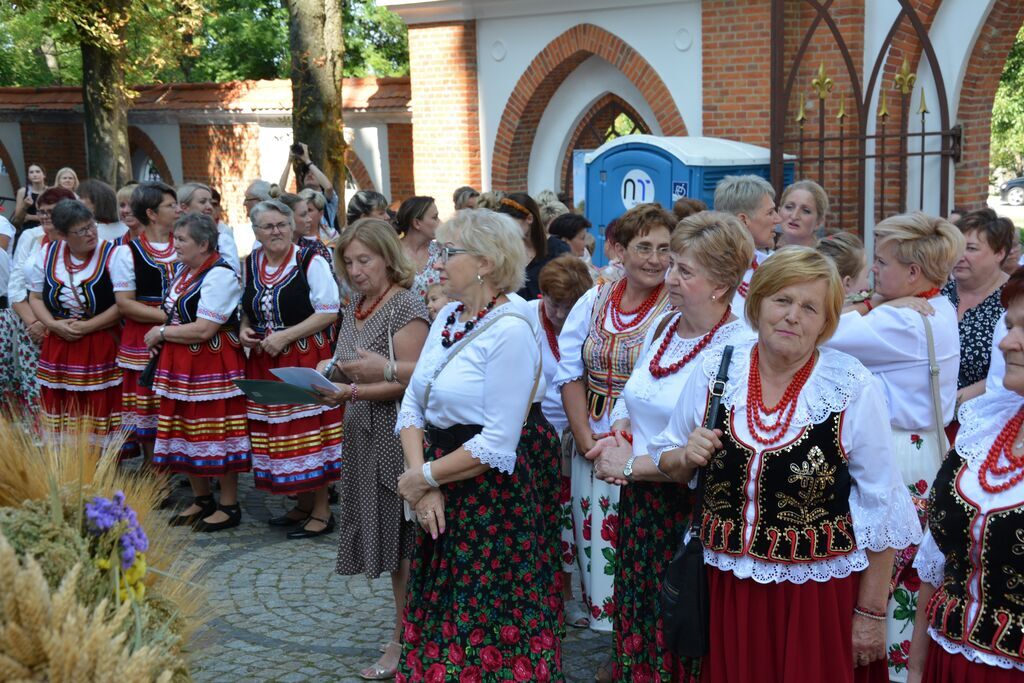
x: 976, y: 328
x: 429, y: 275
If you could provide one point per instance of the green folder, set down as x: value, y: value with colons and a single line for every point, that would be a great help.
x: 270, y: 393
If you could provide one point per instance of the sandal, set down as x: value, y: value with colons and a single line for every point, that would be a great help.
x: 378, y: 672
x: 605, y: 672
x: 207, y: 506
x: 575, y: 615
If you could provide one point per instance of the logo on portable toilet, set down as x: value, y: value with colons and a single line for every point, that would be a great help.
x: 680, y: 189
x: 637, y: 188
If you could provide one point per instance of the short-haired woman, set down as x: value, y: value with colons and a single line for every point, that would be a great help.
x: 289, y: 304
x: 465, y: 198
x: 202, y: 429
x: 66, y: 178
x: 971, y: 560
x: 317, y: 206
x: 601, y: 344
x: 390, y: 319
x: 571, y: 228
x: 102, y: 201
x: 306, y: 233
x: 975, y: 291
x: 710, y: 253
x: 25, y: 330
x: 366, y: 204
x: 483, y: 596
x: 847, y: 253
x: 803, y: 209
x: 562, y: 282
x: 198, y: 198
x: 417, y: 222
x: 71, y: 293
x: 750, y: 198
x: 803, y: 506
x: 914, y: 255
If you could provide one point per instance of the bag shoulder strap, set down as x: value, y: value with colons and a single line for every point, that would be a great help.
x: 469, y: 337
x: 933, y: 380
x: 662, y: 325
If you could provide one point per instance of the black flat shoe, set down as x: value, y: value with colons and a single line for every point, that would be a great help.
x: 285, y: 520
x: 332, y: 495
x: 207, y: 507
x: 306, y: 533
x: 234, y: 513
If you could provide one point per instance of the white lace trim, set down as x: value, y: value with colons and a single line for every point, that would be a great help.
x: 837, y: 379
x: 79, y: 387
x: 503, y: 461
x: 305, y: 463
x: 619, y: 411
x: 981, y: 420
x: 747, y: 567
x: 656, y: 454
x: 407, y: 418
x: 885, y: 519
x: 566, y: 380
x: 972, y: 655
x: 204, y: 450
x: 930, y: 564
x: 288, y: 417
x: 196, y: 399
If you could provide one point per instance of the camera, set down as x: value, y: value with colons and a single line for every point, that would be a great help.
x: 297, y: 149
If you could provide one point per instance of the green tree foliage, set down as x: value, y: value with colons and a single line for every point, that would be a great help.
x: 233, y: 40
x: 1008, y: 113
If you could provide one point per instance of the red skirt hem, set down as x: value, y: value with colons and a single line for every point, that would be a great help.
x: 944, y: 667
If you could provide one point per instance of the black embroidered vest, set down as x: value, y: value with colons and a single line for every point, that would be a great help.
x: 996, y: 565
x: 152, y: 277
x: 802, y: 497
x: 290, y: 302
x: 96, y: 291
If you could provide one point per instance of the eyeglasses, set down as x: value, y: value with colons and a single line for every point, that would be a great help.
x: 82, y: 232
x: 279, y: 227
x: 43, y: 214
x: 448, y: 252
x: 645, y: 250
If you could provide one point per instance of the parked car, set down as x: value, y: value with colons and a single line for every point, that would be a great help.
x: 1012, y: 191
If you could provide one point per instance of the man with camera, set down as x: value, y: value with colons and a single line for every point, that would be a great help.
x: 308, y: 174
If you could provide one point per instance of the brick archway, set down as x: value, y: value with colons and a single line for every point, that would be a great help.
x: 12, y: 172
x: 358, y: 170
x: 138, y: 139
x: 981, y: 78
x: 546, y: 73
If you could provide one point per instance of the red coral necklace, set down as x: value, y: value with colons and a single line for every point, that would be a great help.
x: 768, y: 434
x: 363, y: 315
x: 1003, y: 446
x: 655, y: 366
x: 549, y: 330
x: 190, y: 276
x: 614, y: 306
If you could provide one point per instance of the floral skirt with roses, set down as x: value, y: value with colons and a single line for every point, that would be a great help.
x: 483, y: 601
x: 918, y: 458
x: 654, y: 518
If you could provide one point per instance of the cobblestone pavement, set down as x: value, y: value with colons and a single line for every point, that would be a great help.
x: 280, y: 613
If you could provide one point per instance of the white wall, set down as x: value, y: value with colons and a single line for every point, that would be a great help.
x: 167, y: 138
x: 574, y: 98
x: 653, y: 31
x: 10, y: 135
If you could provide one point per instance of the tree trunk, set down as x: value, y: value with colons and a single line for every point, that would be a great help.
x: 106, y: 116
x: 317, y: 51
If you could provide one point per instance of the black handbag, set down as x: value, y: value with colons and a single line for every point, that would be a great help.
x: 685, y: 608
x: 149, y: 372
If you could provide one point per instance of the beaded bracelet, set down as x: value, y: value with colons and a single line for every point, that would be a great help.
x: 354, y: 392
x: 869, y: 614
x: 626, y: 435
x: 868, y: 305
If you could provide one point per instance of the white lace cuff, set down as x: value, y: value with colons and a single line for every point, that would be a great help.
x: 499, y: 460
x: 656, y: 454
x: 619, y: 411
x: 930, y: 563
x: 559, y: 383
x: 885, y: 519
x: 747, y: 567
x: 407, y: 418
x: 972, y: 655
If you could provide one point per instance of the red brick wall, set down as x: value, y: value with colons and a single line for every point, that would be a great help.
x: 445, y: 105
x: 224, y: 156
x: 400, y: 163
x: 54, y: 145
x: 975, y: 113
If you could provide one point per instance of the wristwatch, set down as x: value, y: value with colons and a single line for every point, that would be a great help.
x: 627, y: 471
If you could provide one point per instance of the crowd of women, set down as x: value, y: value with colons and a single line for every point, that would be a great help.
x: 509, y: 424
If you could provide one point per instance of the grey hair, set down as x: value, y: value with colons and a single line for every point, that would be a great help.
x: 271, y: 205
x: 201, y: 228
x: 186, y: 191
x: 463, y: 195
x: 738, y: 194
x: 67, y: 213
x: 493, y: 236
x: 263, y: 189
x: 314, y: 197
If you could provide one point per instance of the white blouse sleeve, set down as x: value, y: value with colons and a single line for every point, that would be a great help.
x: 23, y: 256
x: 219, y: 295
x: 122, y: 269
x: 885, y: 337
x: 228, y: 250
x: 883, y: 512
x: 930, y: 562
x: 512, y: 358
x: 34, y: 270
x: 996, y: 368
x: 323, y: 289
x: 570, y: 340
x: 686, y: 417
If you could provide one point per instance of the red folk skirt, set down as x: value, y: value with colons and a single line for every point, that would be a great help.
x: 294, y: 447
x: 784, y: 632
x: 80, y: 381
x: 201, y: 429
x: 944, y: 667
x: 139, y: 405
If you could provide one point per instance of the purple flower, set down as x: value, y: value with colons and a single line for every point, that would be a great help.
x: 103, y: 515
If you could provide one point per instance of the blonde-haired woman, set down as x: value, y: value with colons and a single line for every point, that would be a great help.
x: 914, y: 254
x: 66, y: 178
x: 803, y: 209
x: 846, y: 251
x: 385, y: 318
x: 710, y: 252
x: 802, y: 504
x: 483, y: 597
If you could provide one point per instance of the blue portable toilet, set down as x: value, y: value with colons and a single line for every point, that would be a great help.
x: 636, y: 169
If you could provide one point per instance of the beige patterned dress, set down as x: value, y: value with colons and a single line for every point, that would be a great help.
x: 374, y: 537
